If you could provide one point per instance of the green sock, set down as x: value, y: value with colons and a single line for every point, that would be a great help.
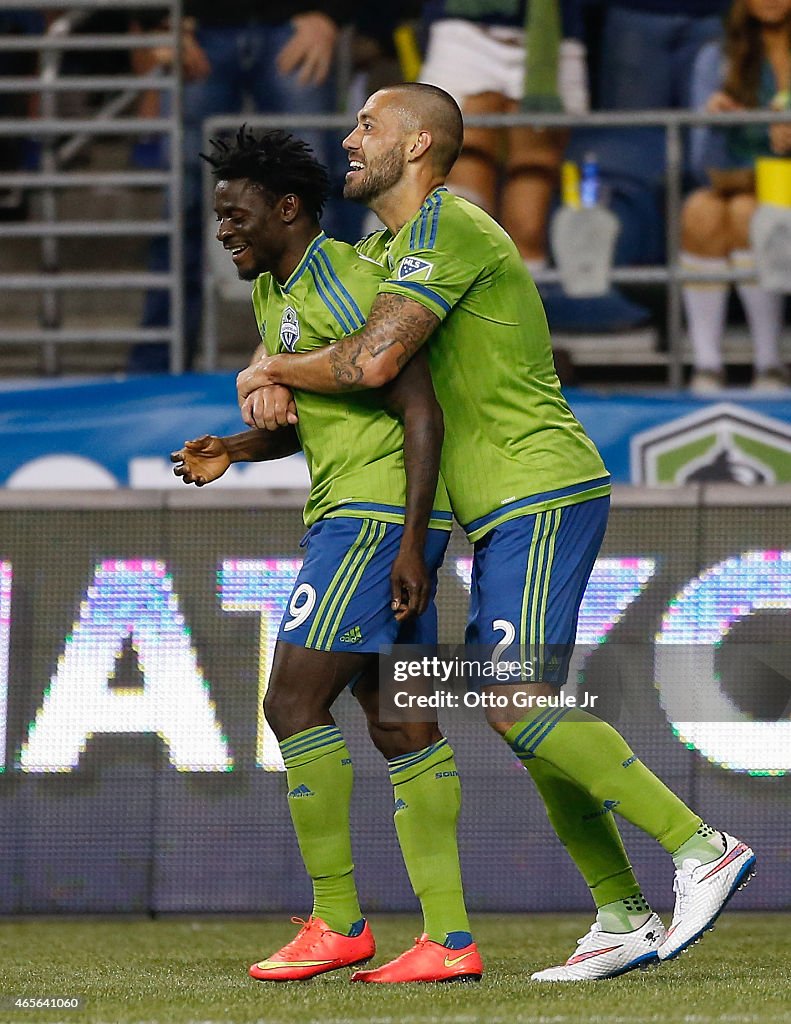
x: 319, y: 772
x: 598, y: 759
x: 593, y: 842
x: 705, y: 845
x: 624, y: 915
x: 427, y: 796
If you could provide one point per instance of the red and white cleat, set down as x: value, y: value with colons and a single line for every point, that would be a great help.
x: 702, y: 890
x: 428, y: 961
x: 315, y: 950
x: 601, y: 954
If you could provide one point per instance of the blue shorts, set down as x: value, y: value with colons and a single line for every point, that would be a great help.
x: 341, y: 597
x: 528, y: 580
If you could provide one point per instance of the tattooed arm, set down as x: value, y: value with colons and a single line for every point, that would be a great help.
x: 371, y: 358
x: 270, y: 407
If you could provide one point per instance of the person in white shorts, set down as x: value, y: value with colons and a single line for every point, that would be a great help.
x: 479, y: 58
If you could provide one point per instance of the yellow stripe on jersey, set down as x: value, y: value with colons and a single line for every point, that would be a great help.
x: 516, y: 512
x: 434, y: 523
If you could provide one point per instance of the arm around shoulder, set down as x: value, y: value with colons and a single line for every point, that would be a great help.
x: 396, y: 328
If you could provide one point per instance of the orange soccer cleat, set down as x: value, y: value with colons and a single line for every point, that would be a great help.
x: 428, y: 961
x: 316, y: 949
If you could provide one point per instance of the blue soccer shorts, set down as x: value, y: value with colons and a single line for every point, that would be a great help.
x: 528, y: 579
x: 341, y: 597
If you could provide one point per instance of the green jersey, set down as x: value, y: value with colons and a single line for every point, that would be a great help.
x: 512, y: 444
x: 353, y: 446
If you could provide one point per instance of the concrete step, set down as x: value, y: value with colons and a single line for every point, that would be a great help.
x: 89, y: 308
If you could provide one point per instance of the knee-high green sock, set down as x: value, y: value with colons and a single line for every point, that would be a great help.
x: 598, y: 759
x: 319, y: 772
x: 427, y: 801
x: 589, y: 833
x: 705, y: 845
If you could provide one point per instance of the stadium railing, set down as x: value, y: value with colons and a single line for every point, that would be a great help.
x: 61, y: 139
x: 670, y: 274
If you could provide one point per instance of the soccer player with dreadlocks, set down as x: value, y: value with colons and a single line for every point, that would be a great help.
x: 378, y: 522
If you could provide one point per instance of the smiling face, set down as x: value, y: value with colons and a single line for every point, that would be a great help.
x: 250, y: 227
x: 376, y: 149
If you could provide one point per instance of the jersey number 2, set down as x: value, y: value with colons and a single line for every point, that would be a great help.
x: 509, y: 635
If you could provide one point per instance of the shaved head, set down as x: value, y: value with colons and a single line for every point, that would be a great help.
x: 428, y: 107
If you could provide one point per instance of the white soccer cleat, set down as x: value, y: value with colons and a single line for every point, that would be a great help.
x: 702, y: 890
x: 602, y: 954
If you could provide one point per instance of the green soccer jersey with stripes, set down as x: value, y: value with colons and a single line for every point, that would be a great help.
x: 512, y: 446
x: 353, y: 446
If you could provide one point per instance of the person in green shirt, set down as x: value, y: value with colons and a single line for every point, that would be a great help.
x: 378, y: 523
x: 531, y: 491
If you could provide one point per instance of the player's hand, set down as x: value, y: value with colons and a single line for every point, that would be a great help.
x: 253, y: 377
x: 270, y: 408
x: 202, y: 460
x: 411, y: 587
x: 310, y: 50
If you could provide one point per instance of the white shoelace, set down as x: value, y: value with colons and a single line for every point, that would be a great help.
x: 595, y: 928
x: 682, y: 887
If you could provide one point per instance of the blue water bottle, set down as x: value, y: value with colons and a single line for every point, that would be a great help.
x: 590, y: 183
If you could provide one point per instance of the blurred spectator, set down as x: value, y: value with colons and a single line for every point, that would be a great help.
x: 381, y: 34
x: 150, y: 150
x: 751, y: 68
x: 643, y: 53
x: 649, y: 47
x: 476, y: 51
x: 275, y: 57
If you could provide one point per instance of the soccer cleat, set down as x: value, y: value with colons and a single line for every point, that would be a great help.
x: 702, y: 890
x: 428, y: 961
x: 316, y: 949
x: 601, y: 954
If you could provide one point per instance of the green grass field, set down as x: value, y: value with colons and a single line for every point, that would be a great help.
x: 194, y: 972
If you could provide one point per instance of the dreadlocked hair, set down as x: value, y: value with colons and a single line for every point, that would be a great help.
x: 276, y: 161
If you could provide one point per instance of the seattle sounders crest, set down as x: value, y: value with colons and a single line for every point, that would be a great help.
x: 289, y: 329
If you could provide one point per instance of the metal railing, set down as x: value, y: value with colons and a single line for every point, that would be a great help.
x: 670, y: 274
x: 60, y: 140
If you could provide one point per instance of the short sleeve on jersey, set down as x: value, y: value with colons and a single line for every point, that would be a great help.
x: 434, y: 278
